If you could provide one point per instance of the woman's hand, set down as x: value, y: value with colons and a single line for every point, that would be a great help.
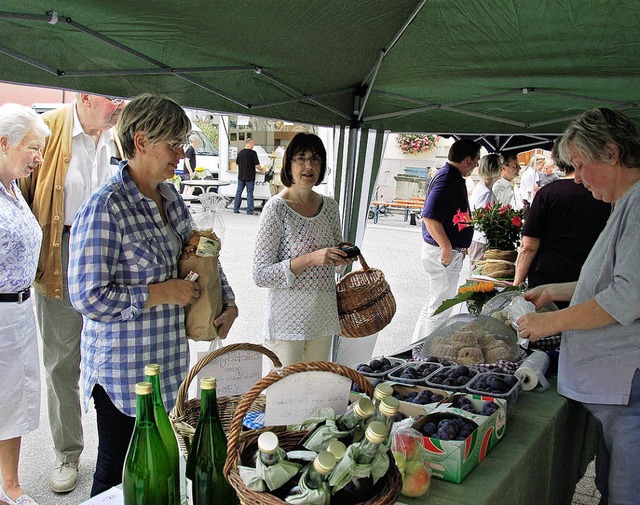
x: 536, y: 326
x: 224, y: 321
x: 331, y: 256
x: 175, y: 291
x: 540, y: 295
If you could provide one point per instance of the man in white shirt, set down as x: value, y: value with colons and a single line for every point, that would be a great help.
x: 504, y: 188
x: 528, y: 180
x: 79, y: 156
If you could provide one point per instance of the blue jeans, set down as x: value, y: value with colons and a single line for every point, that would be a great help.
x: 238, y: 199
x: 114, y: 433
x: 617, y: 461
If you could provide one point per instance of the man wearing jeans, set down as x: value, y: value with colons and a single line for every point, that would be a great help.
x: 79, y: 156
x: 444, y: 244
x: 248, y: 163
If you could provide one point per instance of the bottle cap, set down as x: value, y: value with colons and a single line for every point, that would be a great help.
x: 208, y: 383
x: 152, y: 369
x: 363, y: 408
x: 389, y: 406
x: 337, y: 448
x: 268, y: 442
x: 383, y: 389
x: 376, y: 432
x: 324, y: 462
x: 144, y: 388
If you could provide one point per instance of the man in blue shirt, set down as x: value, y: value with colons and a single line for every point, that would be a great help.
x: 444, y: 244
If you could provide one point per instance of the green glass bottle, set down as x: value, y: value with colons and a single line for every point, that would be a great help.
x: 164, y: 426
x: 205, y: 476
x: 147, y: 478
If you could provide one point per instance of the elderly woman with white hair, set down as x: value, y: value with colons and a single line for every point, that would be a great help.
x: 22, y: 137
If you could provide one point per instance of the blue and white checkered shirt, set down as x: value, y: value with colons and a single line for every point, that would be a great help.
x: 119, y: 245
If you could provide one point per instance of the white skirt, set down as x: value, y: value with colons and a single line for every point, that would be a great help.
x: 19, y: 370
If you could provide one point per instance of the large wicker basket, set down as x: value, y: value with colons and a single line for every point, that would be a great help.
x: 184, y: 416
x: 242, y: 446
x: 365, y: 302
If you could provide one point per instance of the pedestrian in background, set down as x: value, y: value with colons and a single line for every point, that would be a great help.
x: 80, y: 154
x: 444, y: 245
x: 248, y: 164
x: 22, y: 137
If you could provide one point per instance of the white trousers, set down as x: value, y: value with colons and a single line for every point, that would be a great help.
x: 444, y: 285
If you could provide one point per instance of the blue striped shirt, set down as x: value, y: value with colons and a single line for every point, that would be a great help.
x: 118, y: 246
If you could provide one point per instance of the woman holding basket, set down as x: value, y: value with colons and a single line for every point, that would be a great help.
x: 123, y: 278
x: 295, y: 256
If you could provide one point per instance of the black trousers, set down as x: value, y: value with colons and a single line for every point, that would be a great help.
x: 114, y: 433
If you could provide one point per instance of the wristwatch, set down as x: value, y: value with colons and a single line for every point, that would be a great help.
x: 232, y: 304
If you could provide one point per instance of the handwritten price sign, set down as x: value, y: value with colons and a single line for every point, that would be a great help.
x: 236, y: 372
x: 293, y: 399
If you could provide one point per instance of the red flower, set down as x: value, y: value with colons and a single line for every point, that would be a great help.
x: 516, y: 221
x: 462, y: 219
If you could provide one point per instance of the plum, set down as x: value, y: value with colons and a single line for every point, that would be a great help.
x: 429, y: 429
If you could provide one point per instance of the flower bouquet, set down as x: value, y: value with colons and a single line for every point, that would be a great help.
x: 502, y: 225
x: 416, y: 143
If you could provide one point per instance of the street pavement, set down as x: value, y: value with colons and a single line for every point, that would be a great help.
x: 391, y: 245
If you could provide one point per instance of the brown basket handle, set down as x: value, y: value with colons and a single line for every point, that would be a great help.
x: 361, y: 260
x: 183, y: 390
x: 233, y: 436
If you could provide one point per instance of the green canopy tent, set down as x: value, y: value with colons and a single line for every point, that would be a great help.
x: 499, y: 67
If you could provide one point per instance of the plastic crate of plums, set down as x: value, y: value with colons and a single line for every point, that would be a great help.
x: 379, y: 367
x: 496, y: 385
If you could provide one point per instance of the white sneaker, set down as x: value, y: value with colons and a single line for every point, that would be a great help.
x: 64, y: 477
x: 24, y: 499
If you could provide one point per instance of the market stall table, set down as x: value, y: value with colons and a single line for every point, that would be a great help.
x: 548, y: 444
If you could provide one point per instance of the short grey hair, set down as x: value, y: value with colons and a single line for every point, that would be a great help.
x: 489, y: 166
x: 16, y: 121
x: 159, y: 117
x: 595, y: 130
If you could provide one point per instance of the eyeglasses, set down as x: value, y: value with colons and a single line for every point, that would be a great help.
x: 116, y: 101
x: 177, y: 145
x: 302, y: 160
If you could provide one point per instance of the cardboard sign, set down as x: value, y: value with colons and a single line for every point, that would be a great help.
x: 235, y: 372
x: 293, y: 399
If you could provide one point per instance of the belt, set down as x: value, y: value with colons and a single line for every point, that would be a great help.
x: 15, y: 297
x: 459, y: 249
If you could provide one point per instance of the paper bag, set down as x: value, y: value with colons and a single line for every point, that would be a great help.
x: 199, y: 315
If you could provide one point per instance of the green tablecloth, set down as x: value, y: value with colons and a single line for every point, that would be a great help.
x: 549, y: 443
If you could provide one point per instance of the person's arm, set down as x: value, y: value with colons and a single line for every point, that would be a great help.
x: 436, y: 230
x: 583, y: 316
x: 95, y: 249
x: 528, y: 250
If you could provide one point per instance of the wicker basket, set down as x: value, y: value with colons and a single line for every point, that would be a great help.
x: 365, y: 302
x: 242, y: 446
x: 184, y: 416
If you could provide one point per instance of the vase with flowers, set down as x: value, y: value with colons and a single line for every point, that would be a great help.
x: 502, y: 226
x: 416, y: 143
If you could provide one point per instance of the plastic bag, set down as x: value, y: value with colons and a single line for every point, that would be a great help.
x: 210, y: 218
x: 411, y: 459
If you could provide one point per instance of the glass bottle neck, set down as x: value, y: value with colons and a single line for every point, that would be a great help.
x: 144, y: 411
x: 209, y: 403
x: 367, y: 452
x: 270, y: 459
x: 314, y: 479
x: 157, y: 394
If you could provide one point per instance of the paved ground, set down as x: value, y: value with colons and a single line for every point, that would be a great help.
x: 391, y: 245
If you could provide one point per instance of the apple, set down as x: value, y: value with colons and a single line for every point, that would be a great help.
x: 401, y: 462
x: 416, y: 480
x: 407, y: 444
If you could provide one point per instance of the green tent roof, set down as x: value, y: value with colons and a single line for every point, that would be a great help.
x: 446, y: 66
